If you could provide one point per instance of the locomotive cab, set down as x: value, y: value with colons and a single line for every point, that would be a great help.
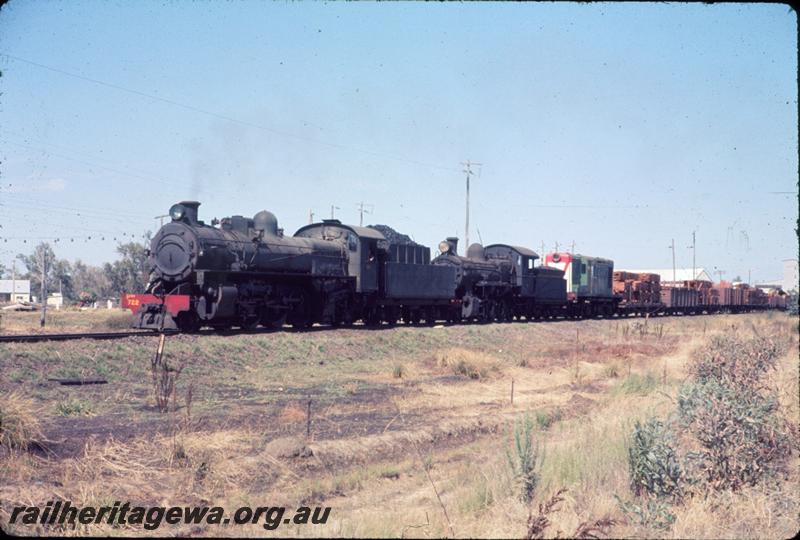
x: 366, y: 249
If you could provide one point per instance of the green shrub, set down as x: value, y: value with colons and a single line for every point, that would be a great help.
x: 740, y: 436
x: 653, y: 462
x: 735, y: 361
x: 523, y: 458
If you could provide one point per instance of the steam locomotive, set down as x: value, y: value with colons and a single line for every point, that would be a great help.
x: 243, y: 272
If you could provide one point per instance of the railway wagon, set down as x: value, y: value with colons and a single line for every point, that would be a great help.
x: 638, y: 293
x: 679, y: 299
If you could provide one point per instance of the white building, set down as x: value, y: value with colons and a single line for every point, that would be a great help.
x: 790, y: 275
x: 681, y: 274
x: 55, y: 300
x: 15, y: 290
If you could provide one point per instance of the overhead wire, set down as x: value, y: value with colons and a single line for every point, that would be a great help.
x: 226, y: 117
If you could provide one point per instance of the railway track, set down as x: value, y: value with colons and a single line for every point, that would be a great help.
x: 31, y: 338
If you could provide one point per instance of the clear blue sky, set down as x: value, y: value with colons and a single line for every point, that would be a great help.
x: 616, y: 126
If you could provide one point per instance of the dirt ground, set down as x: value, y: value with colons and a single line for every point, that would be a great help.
x: 402, y: 431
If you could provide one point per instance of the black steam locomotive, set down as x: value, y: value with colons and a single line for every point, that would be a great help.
x: 244, y: 272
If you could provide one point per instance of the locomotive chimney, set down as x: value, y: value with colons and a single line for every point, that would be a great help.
x: 191, y: 210
x: 453, y: 241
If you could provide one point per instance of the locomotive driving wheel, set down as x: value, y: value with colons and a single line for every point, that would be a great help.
x: 272, y: 318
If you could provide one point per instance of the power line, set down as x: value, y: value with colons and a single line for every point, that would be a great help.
x: 160, y: 181
x: 222, y: 116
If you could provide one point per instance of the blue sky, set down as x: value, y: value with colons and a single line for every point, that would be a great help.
x: 616, y: 126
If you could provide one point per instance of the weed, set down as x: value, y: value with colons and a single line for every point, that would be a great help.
x: 538, y: 524
x: 611, y: 371
x: 653, y: 513
x: 652, y: 461
x: 399, y: 371
x: 74, y: 407
x: 523, y: 457
x: 545, y: 419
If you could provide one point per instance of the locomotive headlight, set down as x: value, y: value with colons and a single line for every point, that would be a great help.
x: 444, y: 247
x: 177, y: 212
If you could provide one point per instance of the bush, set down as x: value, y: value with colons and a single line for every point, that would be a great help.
x: 523, y: 458
x: 739, y: 433
x: 732, y: 413
x: 654, y: 465
x: 735, y: 361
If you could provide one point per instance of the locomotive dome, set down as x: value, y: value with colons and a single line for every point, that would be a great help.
x: 475, y: 251
x: 267, y: 222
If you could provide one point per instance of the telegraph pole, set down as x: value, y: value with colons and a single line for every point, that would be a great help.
x: 556, y: 249
x: 468, y: 170
x: 310, y: 216
x: 542, y: 252
x: 43, y: 318
x: 573, y: 247
x: 161, y: 218
x: 14, y: 280
x: 674, y: 277
x: 363, y: 210
x: 694, y: 263
x: 332, y: 209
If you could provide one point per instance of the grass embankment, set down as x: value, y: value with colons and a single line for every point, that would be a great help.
x: 398, y: 416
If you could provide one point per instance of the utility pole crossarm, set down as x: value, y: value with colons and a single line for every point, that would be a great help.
x: 364, y: 208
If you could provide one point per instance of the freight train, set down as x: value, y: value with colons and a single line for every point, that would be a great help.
x: 243, y: 272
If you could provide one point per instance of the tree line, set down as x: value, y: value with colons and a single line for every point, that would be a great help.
x: 80, y: 282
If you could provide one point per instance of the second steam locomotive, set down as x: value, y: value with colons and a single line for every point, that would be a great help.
x: 242, y: 272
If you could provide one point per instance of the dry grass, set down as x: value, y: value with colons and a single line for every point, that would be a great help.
x: 20, y: 423
x: 245, y: 442
x: 65, y: 320
x: 467, y: 363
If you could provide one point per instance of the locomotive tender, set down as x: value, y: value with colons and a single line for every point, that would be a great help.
x: 242, y: 272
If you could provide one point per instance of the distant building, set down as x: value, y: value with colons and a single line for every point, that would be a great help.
x: 681, y: 274
x: 790, y: 275
x: 55, y: 300
x: 15, y: 290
